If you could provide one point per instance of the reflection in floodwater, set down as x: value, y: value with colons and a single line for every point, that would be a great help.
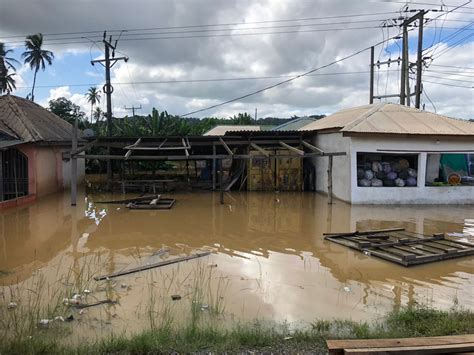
x: 269, y: 246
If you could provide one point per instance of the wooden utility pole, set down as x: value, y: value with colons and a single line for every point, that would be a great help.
x: 133, y: 108
x: 419, y: 60
x: 74, y: 165
x: 405, y: 79
x: 108, y: 89
x: 403, y: 71
x: 371, y: 90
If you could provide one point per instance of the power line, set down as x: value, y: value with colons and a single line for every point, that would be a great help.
x: 444, y: 78
x: 281, y: 82
x: 208, y: 25
x: 300, y: 75
x: 446, y: 84
x: 451, y: 66
x: 453, y: 73
x: 196, y: 80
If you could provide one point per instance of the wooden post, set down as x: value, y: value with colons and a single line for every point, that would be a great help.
x: 403, y: 70
x: 213, y: 167
x: 1, y: 177
x: 221, y: 186
x: 74, y: 165
x: 371, y: 89
x: 419, y: 61
x: 330, y: 179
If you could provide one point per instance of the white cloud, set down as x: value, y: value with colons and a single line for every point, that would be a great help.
x: 241, y: 56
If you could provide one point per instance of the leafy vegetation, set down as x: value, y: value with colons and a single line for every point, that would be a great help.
x: 407, y: 322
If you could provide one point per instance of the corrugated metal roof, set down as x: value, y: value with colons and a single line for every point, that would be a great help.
x: 294, y: 124
x: 30, y: 122
x: 223, y: 129
x: 390, y: 118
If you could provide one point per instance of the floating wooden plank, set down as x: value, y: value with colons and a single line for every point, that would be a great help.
x: 376, y: 231
x: 161, y: 204
x: 151, y: 266
x: 401, y: 248
x: 87, y: 305
x: 128, y: 200
x: 421, y: 345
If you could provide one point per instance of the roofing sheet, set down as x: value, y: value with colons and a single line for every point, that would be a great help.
x: 390, y: 118
x: 223, y: 129
x: 294, y: 124
x: 30, y: 122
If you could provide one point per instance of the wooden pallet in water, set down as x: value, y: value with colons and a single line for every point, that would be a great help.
x: 402, y: 247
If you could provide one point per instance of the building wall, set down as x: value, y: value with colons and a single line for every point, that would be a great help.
x: 420, y: 194
x: 47, y: 172
x: 334, y: 142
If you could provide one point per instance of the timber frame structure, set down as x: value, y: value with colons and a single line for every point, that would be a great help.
x: 235, y: 145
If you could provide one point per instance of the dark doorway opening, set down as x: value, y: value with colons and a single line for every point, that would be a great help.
x: 14, y: 174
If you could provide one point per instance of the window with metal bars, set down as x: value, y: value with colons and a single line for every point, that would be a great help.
x: 14, y: 174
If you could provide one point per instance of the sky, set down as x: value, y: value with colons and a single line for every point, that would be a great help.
x: 176, y: 46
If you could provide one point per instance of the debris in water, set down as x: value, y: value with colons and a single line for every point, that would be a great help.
x: 212, y: 265
x: 287, y: 338
x: 87, y: 292
x: 44, y: 322
x: 347, y: 289
x: 124, y: 286
x: 59, y: 318
x: 81, y: 311
x: 204, y: 307
x: 12, y: 305
x: 175, y: 297
x: 366, y: 252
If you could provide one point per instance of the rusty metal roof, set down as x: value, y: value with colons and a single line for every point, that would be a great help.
x: 388, y: 118
x: 29, y: 122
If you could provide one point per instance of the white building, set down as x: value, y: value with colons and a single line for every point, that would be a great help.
x: 396, y: 155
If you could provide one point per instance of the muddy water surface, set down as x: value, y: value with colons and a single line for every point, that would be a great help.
x: 268, y: 261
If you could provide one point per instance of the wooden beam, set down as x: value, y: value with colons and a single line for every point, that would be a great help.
x: 74, y: 165
x: 201, y: 156
x: 330, y: 179
x: 296, y: 150
x: 226, y: 146
x: 214, y: 169
x: 185, y: 147
x: 312, y: 147
x: 151, y: 266
x: 260, y: 149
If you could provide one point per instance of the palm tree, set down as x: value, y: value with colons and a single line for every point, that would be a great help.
x: 36, y: 57
x: 7, y: 83
x: 98, y: 114
x: 93, y: 96
x: 6, y: 62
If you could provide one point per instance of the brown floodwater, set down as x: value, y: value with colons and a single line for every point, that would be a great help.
x: 269, y: 259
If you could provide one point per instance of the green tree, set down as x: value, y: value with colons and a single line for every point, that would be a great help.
x: 98, y: 114
x: 242, y: 119
x: 67, y: 110
x: 36, y: 57
x: 93, y: 97
x: 6, y: 62
x: 7, y: 83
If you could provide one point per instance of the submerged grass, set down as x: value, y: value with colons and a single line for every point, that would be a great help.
x: 203, y: 329
x: 407, y: 322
